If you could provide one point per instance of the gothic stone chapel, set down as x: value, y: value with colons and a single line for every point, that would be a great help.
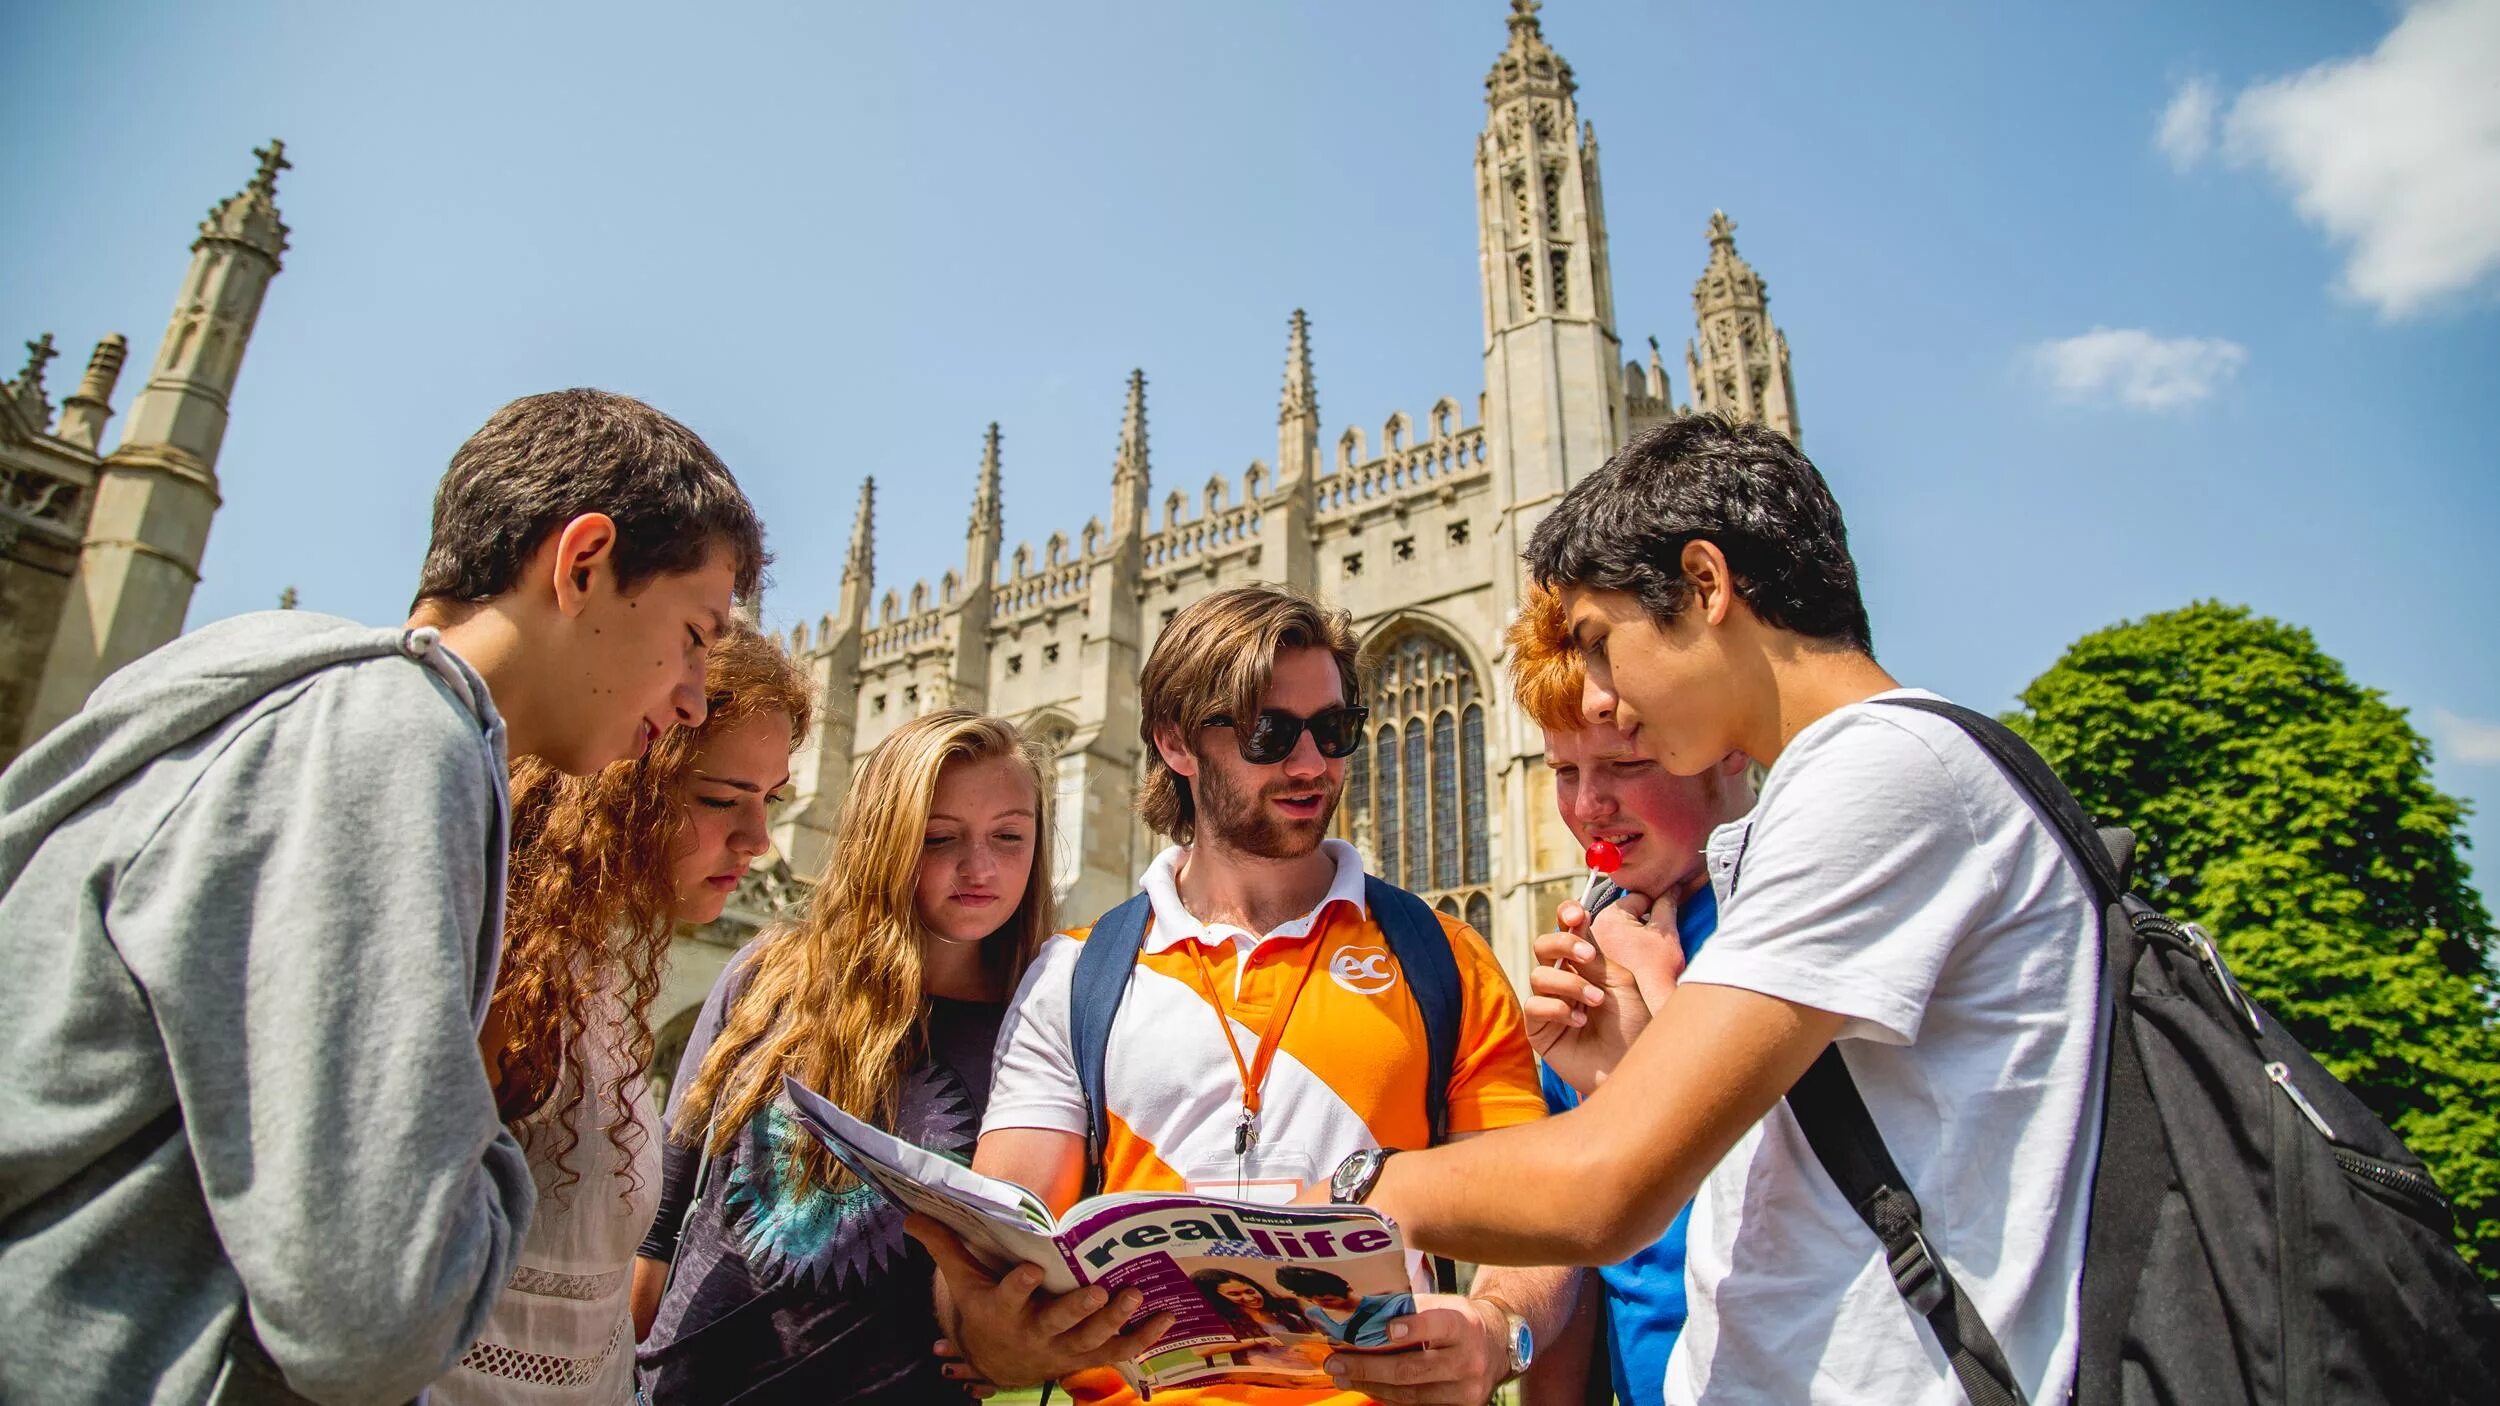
x: 1418, y: 536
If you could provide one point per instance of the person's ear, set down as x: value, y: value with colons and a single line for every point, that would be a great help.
x: 1713, y: 585
x: 585, y: 557
x: 1175, y: 751
x: 1733, y: 764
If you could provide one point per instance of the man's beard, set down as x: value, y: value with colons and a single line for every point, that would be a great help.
x: 1241, y: 820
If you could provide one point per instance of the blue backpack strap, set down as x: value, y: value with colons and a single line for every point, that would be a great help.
x: 1103, y: 963
x: 1423, y: 953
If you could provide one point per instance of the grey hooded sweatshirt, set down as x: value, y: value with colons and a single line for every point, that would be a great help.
x: 251, y: 903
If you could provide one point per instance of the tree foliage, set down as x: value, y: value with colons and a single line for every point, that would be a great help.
x: 2290, y: 811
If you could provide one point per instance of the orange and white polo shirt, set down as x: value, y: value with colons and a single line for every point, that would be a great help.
x: 1348, y: 1072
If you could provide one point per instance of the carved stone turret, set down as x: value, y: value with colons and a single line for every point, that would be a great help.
x: 1739, y: 365
x: 83, y: 414
x: 158, y: 491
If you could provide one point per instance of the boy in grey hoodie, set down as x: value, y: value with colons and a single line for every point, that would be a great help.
x: 251, y: 903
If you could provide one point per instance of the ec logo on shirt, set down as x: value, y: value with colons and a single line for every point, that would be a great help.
x: 1365, y: 971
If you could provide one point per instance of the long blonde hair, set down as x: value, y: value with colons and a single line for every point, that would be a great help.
x: 836, y: 1000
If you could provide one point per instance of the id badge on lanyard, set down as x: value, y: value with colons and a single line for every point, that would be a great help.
x: 1260, y: 1169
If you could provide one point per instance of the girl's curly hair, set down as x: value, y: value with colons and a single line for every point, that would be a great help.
x: 591, y: 904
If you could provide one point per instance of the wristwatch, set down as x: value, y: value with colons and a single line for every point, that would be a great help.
x: 1522, y: 1345
x: 1357, y: 1175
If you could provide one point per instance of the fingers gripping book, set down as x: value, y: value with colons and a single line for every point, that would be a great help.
x: 1258, y: 1294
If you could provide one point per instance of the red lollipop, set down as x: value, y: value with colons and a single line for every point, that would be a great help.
x: 1604, y: 857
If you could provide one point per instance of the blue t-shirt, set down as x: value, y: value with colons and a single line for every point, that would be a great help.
x: 1645, y: 1294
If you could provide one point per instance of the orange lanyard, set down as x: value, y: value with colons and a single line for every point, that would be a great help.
x: 1254, y: 1075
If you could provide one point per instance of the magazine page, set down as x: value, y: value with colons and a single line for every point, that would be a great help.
x: 1259, y: 1294
x: 1000, y: 1223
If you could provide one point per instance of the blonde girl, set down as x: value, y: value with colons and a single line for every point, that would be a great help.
x: 786, y: 1279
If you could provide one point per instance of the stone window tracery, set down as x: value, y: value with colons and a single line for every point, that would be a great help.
x: 1415, y: 795
x: 1527, y: 285
x: 1553, y: 200
x: 1562, y: 292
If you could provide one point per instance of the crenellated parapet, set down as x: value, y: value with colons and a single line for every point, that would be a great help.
x: 1054, y: 588
x: 1451, y: 457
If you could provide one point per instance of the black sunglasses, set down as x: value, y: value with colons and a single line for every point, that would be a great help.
x: 1271, y: 736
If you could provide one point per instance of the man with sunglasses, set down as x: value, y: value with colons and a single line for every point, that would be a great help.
x: 1267, y: 1031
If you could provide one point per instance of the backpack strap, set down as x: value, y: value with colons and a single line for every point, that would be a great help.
x: 1834, y: 1117
x: 1423, y: 953
x: 1416, y: 941
x: 2056, y: 805
x: 1103, y: 963
x: 1845, y: 1140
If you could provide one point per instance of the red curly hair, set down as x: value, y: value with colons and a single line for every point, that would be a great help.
x: 592, y: 904
x: 1545, y: 672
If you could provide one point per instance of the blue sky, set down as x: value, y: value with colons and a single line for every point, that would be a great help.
x: 2093, y: 313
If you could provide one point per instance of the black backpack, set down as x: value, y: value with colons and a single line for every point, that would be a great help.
x: 2256, y: 1234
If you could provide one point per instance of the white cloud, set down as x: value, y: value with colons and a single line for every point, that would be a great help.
x: 2394, y: 154
x: 2186, y: 134
x: 2139, y: 369
x: 2468, y: 740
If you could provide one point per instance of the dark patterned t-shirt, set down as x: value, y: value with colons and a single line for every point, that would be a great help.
x: 817, y: 1297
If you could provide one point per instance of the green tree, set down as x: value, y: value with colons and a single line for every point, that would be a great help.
x: 2290, y: 811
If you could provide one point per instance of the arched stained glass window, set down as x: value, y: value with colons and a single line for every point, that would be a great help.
x: 1418, y: 820
x: 1444, y: 803
x: 1479, y: 868
x: 1416, y: 795
x: 1385, y: 745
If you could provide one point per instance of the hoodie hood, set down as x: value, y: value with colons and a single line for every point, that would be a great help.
x: 165, y: 698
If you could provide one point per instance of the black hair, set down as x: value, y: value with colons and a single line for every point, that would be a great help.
x: 1742, y: 487
x: 1312, y: 1283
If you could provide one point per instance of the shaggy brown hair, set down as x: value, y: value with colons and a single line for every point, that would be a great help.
x: 545, y: 460
x: 1545, y: 672
x: 1218, y: 657
x: 591, y: 899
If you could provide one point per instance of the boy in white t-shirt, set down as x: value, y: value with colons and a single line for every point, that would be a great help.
x: 1891, y: 892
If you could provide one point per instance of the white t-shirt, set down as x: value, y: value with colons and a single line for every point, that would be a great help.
x: 1891, y: 874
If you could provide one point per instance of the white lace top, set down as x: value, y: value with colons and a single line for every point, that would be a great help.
x: 563, y: 1330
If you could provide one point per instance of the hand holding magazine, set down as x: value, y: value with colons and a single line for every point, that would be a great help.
x: 1257, y: 1293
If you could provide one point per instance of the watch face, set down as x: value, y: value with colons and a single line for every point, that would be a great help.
x: 1351, y: 1174
x: 1522, y: 1344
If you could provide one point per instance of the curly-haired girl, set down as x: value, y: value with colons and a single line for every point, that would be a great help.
x: 603, y: 869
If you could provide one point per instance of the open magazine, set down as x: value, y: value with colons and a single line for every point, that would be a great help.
x: 1260, y: 1294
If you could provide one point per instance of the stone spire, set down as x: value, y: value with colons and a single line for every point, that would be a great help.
x: 157, y: 492
x: 83, y: 415
x: 28, y: 387
x: 249, y: 217
x: 859, y: 568
x: 1131, y: 474
x: 1301, y: 398
x: 985, y: 500
x: 1738, y: 365
x: 1553, y: 366
x: 984, y: 537
x: 1297, y: 415
x: 820, y: 771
